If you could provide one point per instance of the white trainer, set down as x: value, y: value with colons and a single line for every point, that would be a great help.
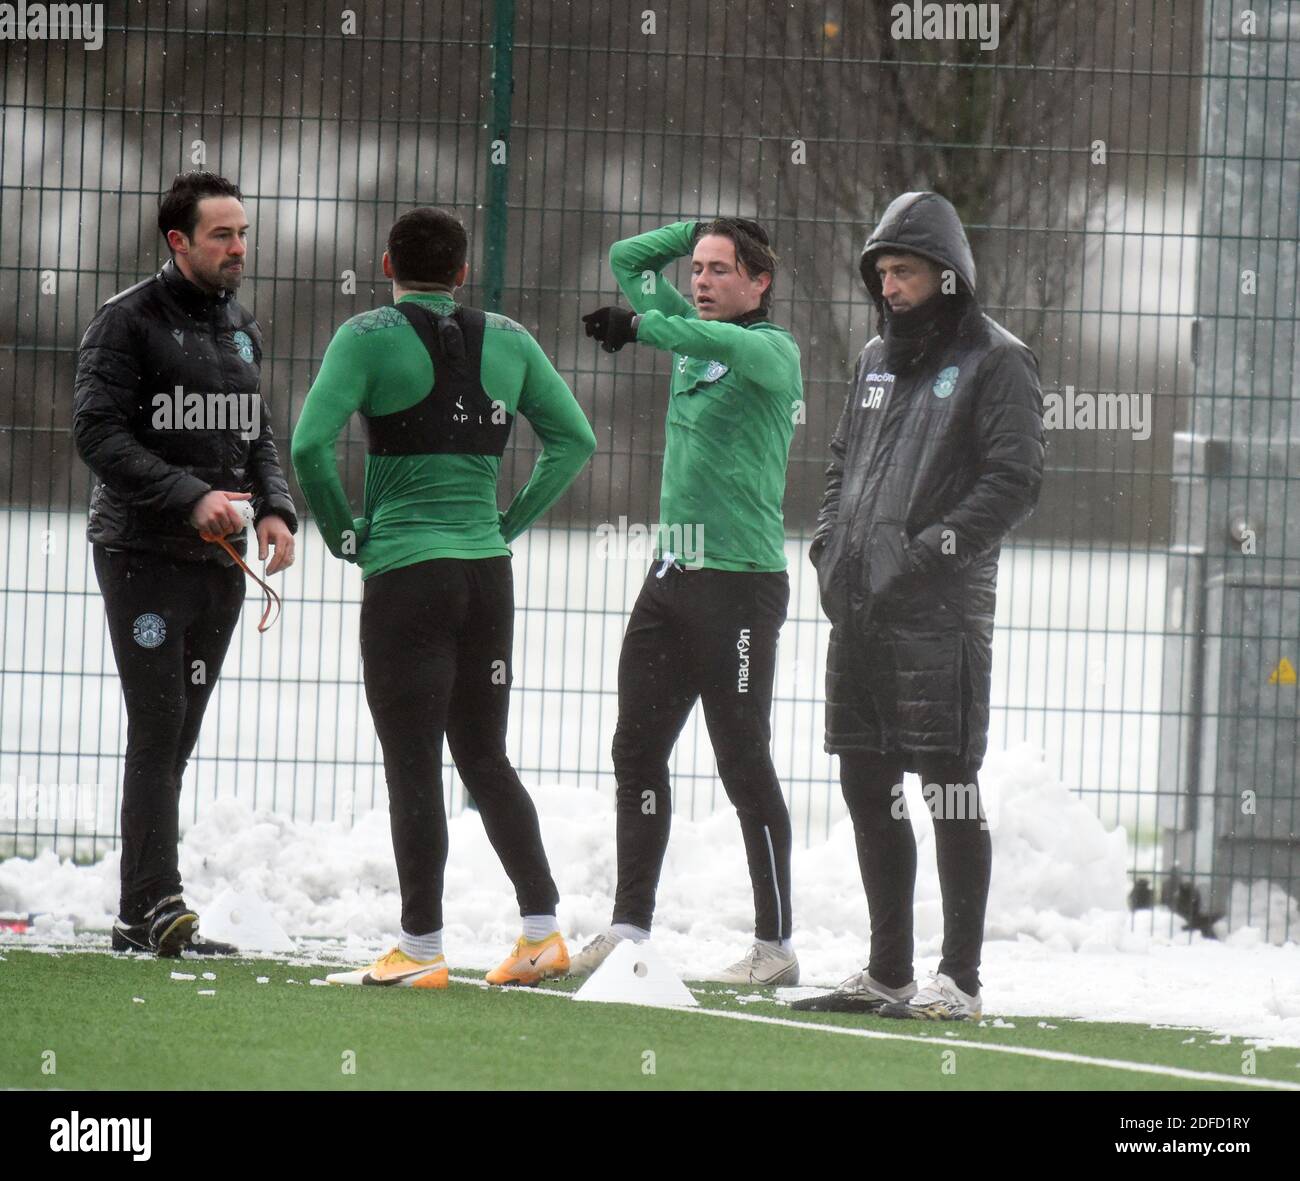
x: 763, y: 964
x: 939, y: 1000
x: 594, y: 954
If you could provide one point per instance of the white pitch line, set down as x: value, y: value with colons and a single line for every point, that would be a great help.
x: 1203, y: 1076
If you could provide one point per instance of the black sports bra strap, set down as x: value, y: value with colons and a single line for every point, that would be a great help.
x: 421, y: 319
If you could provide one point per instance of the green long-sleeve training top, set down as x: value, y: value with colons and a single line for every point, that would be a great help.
x: 419, y: 507
x: 735, y: 394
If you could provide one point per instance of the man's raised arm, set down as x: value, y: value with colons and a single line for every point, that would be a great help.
x: 638, y: 265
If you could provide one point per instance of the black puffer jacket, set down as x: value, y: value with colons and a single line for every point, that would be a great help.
x: 930, y: 468
x: 151, y: 468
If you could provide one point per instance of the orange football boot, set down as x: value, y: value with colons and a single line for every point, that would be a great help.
x: 397, y: 970
x: 531, y: 962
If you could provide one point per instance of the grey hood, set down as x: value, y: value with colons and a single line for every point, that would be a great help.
x: 919, y: 223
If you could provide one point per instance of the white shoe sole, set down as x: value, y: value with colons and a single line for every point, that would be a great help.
x: 362, y: 976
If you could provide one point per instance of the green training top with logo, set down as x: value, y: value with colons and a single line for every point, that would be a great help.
x: 731, y: 410
x: 422, y: 506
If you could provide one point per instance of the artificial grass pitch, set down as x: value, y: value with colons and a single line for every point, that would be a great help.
x: 94, y: 1021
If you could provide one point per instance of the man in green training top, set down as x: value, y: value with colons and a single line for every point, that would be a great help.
x: 705, y: 624
x: 438, y: 386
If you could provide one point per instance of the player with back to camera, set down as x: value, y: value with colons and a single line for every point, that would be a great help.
x: 437, y: 385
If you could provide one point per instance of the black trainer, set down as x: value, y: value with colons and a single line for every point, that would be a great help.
x: 858, y: 994
x: 197, y: 945
x: 168, y: 930
x: 130, y: 936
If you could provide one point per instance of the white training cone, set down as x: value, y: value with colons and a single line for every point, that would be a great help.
x: 245, y: 920
x: 635, y: 974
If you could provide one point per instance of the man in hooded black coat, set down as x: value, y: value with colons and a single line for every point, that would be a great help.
x: 937, y: 456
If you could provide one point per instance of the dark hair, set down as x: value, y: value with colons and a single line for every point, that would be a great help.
x: 179, y: 207
x: 427, y: 246
x: 753, y: 251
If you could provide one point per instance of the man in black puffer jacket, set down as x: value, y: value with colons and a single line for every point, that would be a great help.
x: 937, y: 456
x: 168, y: 415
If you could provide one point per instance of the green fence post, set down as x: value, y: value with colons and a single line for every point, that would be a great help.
x: 503, y: 87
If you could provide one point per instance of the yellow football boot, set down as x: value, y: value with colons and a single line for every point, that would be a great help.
x: 531, y: 962
x: 397, y: 970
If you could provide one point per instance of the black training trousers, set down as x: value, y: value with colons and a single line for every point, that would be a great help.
x: 705, y: 635
x: 170, y: 623
x: 436, y: 640
x: 887, y: 859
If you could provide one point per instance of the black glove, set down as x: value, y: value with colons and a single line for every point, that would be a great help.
x: 612, y: 326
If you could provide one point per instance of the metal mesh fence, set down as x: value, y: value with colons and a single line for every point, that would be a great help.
x: 1071, y: 151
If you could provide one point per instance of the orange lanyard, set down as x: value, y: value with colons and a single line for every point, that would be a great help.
x: 272, y: 599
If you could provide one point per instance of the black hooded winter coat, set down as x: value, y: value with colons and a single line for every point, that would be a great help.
x: 930, y: 469
x: 151, y: 469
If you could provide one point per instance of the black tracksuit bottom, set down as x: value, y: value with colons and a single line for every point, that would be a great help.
x: 170, y: 624
x: 887, y: 860
x: 436, y: 642
x: 705, y: 635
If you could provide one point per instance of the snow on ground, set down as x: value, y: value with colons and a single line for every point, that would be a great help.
x: 1061, y: 942
x: 284, y: 798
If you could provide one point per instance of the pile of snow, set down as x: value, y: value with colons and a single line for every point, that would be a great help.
x: 1054, y: 867
x: 1060, y: 939
x: 1263, y: 906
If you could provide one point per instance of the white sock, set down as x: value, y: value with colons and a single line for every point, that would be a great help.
x: 421, y: 947
x: 539, y: 926
x: 786, y: 945
x: 627, y: 931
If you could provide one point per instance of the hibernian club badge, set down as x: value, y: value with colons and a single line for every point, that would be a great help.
x: 946, y: 382
x: 244, y: 343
